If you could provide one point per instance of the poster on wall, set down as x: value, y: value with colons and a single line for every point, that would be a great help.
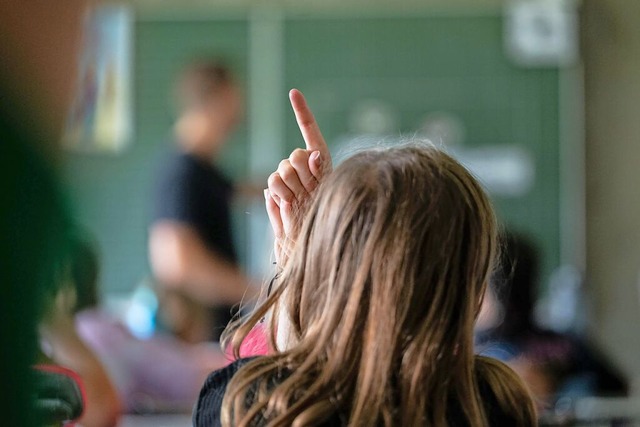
x: 101, y: 116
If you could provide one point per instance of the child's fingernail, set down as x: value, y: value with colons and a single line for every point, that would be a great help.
x: 266, y: 193
x: 315, y: 157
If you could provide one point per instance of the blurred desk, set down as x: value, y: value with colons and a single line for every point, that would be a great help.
x: 164, y: 420
x: 595, y: 412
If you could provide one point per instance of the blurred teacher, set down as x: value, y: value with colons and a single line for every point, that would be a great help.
x: 191, y: 245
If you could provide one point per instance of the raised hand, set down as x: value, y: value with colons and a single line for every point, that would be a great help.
x: 311, y: 134
x: 291, y: 185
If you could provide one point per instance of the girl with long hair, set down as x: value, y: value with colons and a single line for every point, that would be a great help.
x: 384, y: 263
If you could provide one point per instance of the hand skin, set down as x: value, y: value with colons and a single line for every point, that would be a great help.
x: 291, y: 185
x: 181, y: 260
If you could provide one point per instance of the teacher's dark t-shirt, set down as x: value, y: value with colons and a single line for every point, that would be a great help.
x: 194, y: 192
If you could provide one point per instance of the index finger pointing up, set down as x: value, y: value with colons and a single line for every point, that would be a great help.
x: 308, y: 127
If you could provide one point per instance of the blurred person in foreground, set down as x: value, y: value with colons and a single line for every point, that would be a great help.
x: 555, y: 366
x: 158, y: 374
x: 39, y: 48
x: 384, y: 261
x: 191, y: 245
x: 63, y: 346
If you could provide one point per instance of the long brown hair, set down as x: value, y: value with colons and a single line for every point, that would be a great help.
x: 380, y: 290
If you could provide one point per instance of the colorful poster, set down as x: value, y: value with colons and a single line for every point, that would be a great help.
x: 101, y: 115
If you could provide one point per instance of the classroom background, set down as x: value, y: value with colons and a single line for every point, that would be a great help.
x: 538, y: 98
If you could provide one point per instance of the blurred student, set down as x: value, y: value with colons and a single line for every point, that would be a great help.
x: 63, y: 346
x: 191, y: 245
x: 39, y: 57
x: 158, y: 374
x: 384, y: 264
x: 555, y: 366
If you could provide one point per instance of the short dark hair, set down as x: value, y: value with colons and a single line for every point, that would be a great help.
x: 200, y: 82
x: 517, y: 283
x: 85, y: 269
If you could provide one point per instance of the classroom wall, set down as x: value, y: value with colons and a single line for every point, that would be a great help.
x: 611, y: 51
x: 317, y: 5
x: 434, y: 60
x: 611, y: 56
x: 112, y: 193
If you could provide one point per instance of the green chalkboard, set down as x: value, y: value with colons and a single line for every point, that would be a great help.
x: 430, y: 64
x: 416, y: 65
